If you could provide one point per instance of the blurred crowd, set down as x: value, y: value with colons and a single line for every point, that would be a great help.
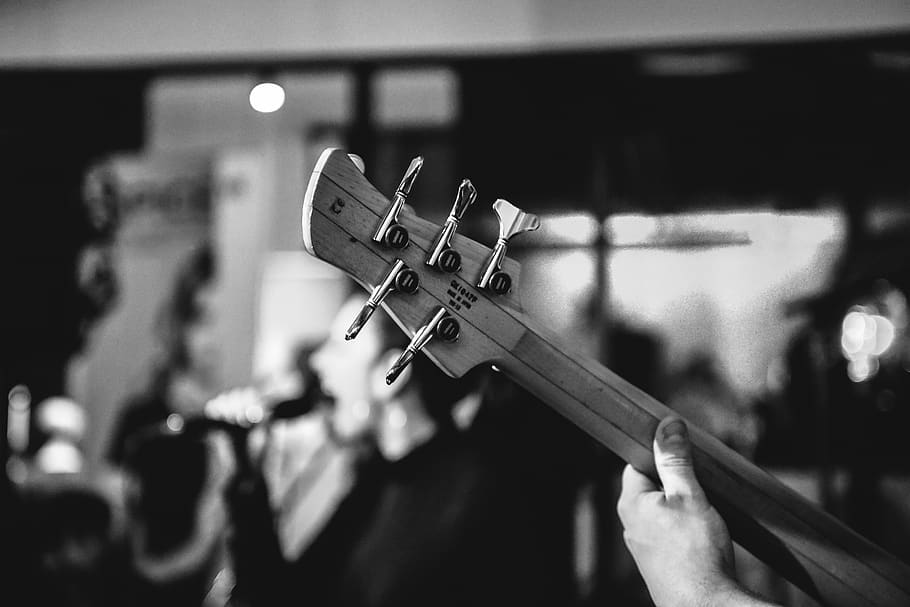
x: 349, y: 492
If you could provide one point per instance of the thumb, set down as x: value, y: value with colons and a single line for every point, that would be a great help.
x: 673, y: 459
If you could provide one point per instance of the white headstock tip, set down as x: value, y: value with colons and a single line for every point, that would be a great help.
x: 308, y: 199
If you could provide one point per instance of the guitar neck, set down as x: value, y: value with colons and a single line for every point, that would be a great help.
x: 810, y: 548
x: 804, y: 544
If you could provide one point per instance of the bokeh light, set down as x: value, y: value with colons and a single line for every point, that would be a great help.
x: 267, y: 97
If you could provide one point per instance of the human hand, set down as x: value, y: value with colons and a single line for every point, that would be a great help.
x: 678, y: 540
x: 243, y: 408
x: 240, y: 406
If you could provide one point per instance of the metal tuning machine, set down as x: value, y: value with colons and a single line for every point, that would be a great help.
x: 441, y: 325
x: 400, y: 279
x: 389, y: 231
x: 512, y: 221
x: 442, y: 255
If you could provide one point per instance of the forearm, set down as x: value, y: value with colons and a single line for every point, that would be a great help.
x: 732, y: 595
x: 720, y: 591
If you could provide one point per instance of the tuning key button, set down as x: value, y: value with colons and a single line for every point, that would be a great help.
x: 500, y: 282
x: 448, y: 329
x: 407, y: 281
x: 449, y: 261
x: 388, y: 231
x: 441, y: 325
x: 512, y: 221
x: 441, y: 254
x: 397, y: 237
x: 399, y: 278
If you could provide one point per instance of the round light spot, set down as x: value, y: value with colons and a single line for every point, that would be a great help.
x: 19, y: 398
x: 267, y: 97
x: 175, y: 422
x: 58, y: 456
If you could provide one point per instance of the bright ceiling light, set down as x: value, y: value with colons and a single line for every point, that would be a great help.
x: 267, y: 97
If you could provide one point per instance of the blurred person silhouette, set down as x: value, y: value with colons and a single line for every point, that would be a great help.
x: 177, y: 514
x: 425, y: 516
x: 310, y: 394
x: 186, y: 377
x: 700, y: 393
x: 679, y: 542
x: 550, y: 464
x: 71, y: 528
x: 55, y: 547
x: 176, y: 467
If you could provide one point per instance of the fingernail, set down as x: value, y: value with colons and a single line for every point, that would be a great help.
x: 675, y: 430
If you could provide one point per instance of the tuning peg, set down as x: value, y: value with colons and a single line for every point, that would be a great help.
x: 358, y: 162
x: 400, y: 278
x: 512, y: 221
x: 390, y: 232
x: 441, y: 254
x: 441, y: 325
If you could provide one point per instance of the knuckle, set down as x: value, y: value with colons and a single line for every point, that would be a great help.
x: 675, y: 461
x: 622, y: 506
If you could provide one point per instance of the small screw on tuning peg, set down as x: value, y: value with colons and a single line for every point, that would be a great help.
x: 512, y: 221
x: 400, y: 278
x: 441, y: 325
x: 358, y: 162
x: 390, y: 232
x: 441, y: 254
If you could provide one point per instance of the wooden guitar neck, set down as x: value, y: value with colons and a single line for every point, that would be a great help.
x: 810, y: 548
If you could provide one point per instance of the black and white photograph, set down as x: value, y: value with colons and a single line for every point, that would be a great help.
x: 390, y: 304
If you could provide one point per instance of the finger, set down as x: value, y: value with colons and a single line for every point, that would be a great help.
x: 673, y: 459
x: 221, y: 455
x: 634, y: 485
x: 213, y: 408
x: 218, y: 446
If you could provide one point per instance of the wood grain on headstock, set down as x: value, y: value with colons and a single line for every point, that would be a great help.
x: 813, y: 550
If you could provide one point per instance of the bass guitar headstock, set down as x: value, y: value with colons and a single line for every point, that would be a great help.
x: 448, y: 292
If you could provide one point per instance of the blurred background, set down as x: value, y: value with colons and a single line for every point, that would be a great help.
x: 723, y: 190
